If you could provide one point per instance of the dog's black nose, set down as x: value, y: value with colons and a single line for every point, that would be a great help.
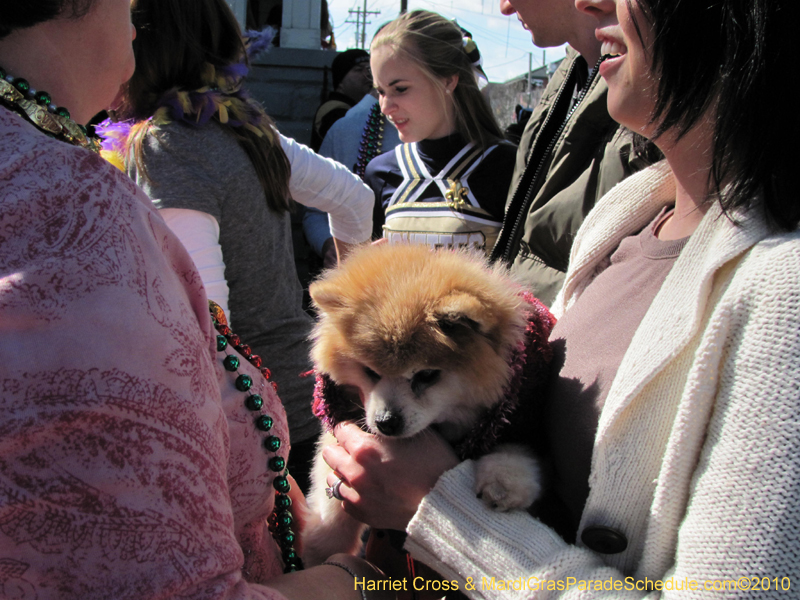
x: 389, y: 423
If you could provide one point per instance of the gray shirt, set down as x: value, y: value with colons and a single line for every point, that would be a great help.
x: 205, y: 169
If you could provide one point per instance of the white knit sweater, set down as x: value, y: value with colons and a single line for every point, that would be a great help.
x: 697, y: 453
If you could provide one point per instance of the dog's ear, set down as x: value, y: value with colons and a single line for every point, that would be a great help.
x: 326, y: 296
x: 462, y: 310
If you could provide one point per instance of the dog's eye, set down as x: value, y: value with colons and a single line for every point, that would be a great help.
x: 424, y: 379
x: 371, y: 374
x: 450, y: 326
x: 427, y: 375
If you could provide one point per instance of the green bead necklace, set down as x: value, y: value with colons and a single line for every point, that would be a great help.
x: 280, y: 521
x: 38, y: 108
x: 371, y: 140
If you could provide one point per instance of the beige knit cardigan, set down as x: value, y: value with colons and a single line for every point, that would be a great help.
x: 697, y: 453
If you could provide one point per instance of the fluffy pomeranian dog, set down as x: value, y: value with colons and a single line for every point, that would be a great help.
x: 408, y: 338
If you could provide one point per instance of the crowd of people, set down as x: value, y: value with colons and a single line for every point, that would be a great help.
x: 146, y: 432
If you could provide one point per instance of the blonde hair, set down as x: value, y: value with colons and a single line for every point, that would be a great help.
x: 436, y: 46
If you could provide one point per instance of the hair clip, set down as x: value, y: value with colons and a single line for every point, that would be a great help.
x: 474, y: 55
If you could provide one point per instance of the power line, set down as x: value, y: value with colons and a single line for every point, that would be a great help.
x: 361, y: 20
x: 488, y: 34
x: 513, y: 60
x: 520, y: 42
x: 487, y: 28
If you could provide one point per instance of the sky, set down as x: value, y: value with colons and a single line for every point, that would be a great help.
x: 505, y: 46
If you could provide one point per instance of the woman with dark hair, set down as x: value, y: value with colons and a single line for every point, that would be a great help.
x: 223, y: 177
x: 143, y: 450
x: 445, y: 185
x: 673, y: 416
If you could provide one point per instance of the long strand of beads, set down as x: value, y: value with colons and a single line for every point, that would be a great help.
x: 280, y: 521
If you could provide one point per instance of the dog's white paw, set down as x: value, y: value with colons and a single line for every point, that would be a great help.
x: 509, y: 478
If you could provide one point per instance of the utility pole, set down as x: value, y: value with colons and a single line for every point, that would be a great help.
x: 530, y: 79
x: 361, y: 22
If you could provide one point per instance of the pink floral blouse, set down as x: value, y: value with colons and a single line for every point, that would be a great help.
x: 124, y: 471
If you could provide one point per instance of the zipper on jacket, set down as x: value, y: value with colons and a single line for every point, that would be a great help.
x: 504, y: 247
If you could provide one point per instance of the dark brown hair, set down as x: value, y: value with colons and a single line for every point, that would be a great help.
x: 742, y: 62
x: 19, y: 14
x: 176, y: 41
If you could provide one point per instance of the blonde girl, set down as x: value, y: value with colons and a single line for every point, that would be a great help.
x: 446, y: 184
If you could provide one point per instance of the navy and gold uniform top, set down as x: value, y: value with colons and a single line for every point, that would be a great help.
x: 445, y: 192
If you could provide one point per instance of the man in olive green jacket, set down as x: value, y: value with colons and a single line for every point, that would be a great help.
x: 571, y: 152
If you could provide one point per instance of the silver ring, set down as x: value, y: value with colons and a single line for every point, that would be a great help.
x: 333, y: 491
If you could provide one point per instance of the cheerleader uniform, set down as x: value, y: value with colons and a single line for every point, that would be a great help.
x: 445, y: 192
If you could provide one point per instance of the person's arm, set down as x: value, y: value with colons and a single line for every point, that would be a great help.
x: 340, y: 577
x: 199, y: 233
x: 331, y: 187
x: 318, y: 234
x: 315, y: 222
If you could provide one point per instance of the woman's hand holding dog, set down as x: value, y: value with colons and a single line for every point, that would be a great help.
x: 385, y: 479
